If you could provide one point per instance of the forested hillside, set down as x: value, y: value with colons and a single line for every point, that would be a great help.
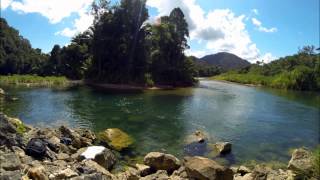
x: 16, y: 54
x: 300, y: 72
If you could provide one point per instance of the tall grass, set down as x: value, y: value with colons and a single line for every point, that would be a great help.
x: 33, y: 80
x: 297, y: 79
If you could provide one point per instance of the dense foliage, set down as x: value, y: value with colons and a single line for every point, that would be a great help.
x: 300, y: 72
x: 16, y: 54
x: 120, y: 47
x: 128, y: 50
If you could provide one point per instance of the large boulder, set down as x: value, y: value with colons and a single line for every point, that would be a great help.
x: 99, y: 154
x: 301, y: 161
x: 116, y: 138
x: 161, y: 161
x: 206, y: 169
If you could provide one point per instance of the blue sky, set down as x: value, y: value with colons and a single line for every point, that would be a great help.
x: 251, y: 29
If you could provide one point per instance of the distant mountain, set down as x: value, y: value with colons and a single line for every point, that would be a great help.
x: 224, y: 60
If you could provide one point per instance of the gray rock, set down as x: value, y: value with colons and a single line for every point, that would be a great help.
x: 223, y: 147
x: 99, y: 154
x: 96, y: 167
x: 243, y: 170
x: 206, y: 169
x: 10, y: 162
x: 161, y: 161
x: 130, y: 174
x: 94, y: 176
x: 159, y: 175
x: 66, y: 174
x: 10, y: 175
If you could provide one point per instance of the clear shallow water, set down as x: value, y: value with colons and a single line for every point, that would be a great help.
x: 262, y: 124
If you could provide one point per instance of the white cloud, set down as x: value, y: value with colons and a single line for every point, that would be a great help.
x: 80, y: 25
x: 54, y: 10
x: 199, y: 54
x: 5, y: 4
x: 258, y: 24
x: 217, y: 30
x: 255, y: 11
x: 267, y: 58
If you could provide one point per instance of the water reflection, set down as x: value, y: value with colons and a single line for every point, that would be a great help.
x: 262, y: 124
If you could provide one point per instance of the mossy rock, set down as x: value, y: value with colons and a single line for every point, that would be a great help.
x: 116, y: 138
x: 20, y: 127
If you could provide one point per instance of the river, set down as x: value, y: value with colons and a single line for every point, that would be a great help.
x: 262, y: 124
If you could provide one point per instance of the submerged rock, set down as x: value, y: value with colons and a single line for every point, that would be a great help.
x: 161, y: 161
x: 223, y: 147
x: 116, y: 138
x: 197, y: 137
x: 206, y: 169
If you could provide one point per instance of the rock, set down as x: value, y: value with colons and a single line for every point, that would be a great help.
x: 198, y: 137
x: 143, y: 170
x: 206, y: 169
x: 54, y: 140
x: 223, y: 147
x: 9, y: 135
x: 101, y: 155
x: 96, y: 167
x: 130, y: 174
x: 2, y: 93
x: 66, y: 174
x: 10, y: 162
x: 116, y: 138
x: 301, y: 161
x: 37, y: 173
x: 159, y: 175
x: 94, y: 176
x: 10, y: 175
x: 243, y: 170
x: 179, y: 174
x: 18, y: 151
x: 161, y: 161
x: 63, y: 156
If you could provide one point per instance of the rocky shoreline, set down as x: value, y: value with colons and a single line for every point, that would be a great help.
x: 63, y: 153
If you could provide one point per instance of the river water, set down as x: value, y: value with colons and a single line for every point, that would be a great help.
x: 262, y: 124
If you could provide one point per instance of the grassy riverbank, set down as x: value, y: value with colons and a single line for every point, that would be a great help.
x: 288, y: 80
x: 34, y: 80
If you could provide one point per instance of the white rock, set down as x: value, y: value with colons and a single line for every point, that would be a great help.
x: 92, y: 151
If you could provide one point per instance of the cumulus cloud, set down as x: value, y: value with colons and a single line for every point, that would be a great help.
x: 5, y: 4
x: 54, y: 10
x: 81, y: 24
x: 217, y: 30
x: 258, y: 24
x: 268, y: 57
